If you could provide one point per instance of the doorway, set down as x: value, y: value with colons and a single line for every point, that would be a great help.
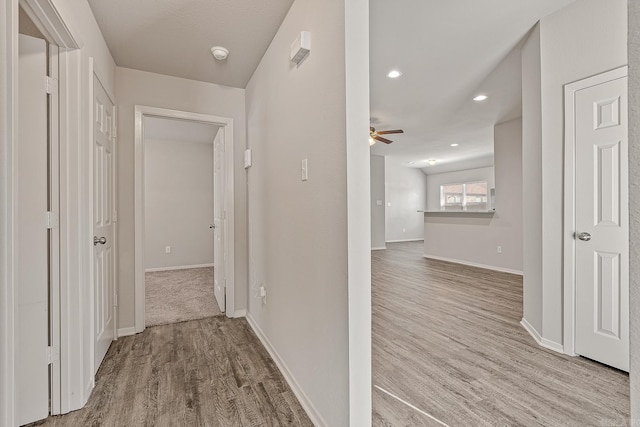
x: 177, y: 246
x: 180, y: 220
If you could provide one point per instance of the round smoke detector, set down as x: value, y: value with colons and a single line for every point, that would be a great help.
x: 219, y: 52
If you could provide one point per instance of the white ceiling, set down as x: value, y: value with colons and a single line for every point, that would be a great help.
x: 179, y: 130
x: 448, y: 51
x: 174, y: 37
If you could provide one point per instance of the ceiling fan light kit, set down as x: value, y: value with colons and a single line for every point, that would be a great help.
x: 374, y: 135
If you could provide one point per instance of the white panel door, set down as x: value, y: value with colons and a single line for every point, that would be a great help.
x: 32, y: 373
x: 602, y: 224
x: 103, y: 224
x: 219, y: 221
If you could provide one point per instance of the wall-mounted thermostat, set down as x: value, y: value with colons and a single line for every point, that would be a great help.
x: 301, y: 47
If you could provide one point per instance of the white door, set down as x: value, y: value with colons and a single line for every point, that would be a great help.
x: 32, y: 373
x: 602, y: 224
x: 219, y: 221
x: 103, y: 223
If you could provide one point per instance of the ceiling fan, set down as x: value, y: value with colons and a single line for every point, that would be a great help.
x: 374, y: 135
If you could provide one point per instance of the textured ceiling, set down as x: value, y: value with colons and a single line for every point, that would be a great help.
x: 174, y: 37
x: 179, y: 130
x: 448, y: 52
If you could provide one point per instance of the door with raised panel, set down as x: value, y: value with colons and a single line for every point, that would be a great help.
x: 103, y: 221
x: 602, y: 224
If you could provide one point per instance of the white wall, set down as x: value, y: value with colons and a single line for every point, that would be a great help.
x: 155, y: 90
x: 584, y: 39
x: 634, y: 204
x: 378, y: 231
x: 178, y: 203
x: 532, y: 180
x: 318, y: 283
x: 406, y: 193
x: 474, y: 239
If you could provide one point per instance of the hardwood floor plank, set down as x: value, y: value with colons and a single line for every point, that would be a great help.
x: 447, y: 338
x: 208, y: 372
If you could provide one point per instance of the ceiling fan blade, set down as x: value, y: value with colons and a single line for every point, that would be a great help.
x: 381, y: 139
x: 387, y: 132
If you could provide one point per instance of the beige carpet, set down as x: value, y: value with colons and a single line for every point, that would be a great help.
x: 179, y: 295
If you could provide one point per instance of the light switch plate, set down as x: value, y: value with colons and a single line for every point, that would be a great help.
x: 247, y: 158
x: 304, y: 170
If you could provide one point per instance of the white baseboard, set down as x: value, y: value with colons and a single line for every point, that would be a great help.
x: 379, y: 248
x: 178, y: 267
x: 311, y: 411
x: 475, y: 264
x: 125, y: 332
x: 239, y: 313
x: 406, y: 240
x: 542, y: 342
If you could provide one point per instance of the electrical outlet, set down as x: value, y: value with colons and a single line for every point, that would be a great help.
x: 167, y: 249
x: 499, y: 249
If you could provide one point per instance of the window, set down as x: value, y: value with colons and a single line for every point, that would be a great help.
x: 468, y: 196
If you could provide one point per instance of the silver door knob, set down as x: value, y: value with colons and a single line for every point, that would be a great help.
x: 101, y: 240
x: 584, y: 236
x: 212, y: 226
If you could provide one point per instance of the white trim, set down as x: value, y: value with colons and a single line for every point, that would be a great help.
x: 55, y: 397
x: 305, y: 402
x: 543, y: 342
x: 177, y: 267
x: 475, y: 264
x: 126, y: 332
x: 50, y: 23
x: 405, y: 240
x: 71, y: 341
x: 569, y: 199
x: 8, y: 196
x: 227, y: 124
x: 379, y: 248
x: 239, y: 313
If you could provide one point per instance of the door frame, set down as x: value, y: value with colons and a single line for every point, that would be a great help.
x: 226, y: 123
x: 569, y: 241
x: 74, y: 381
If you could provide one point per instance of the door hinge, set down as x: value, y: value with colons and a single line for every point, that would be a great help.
x: 53, y: 355
x: 51, y: 85
x: 52, y: 220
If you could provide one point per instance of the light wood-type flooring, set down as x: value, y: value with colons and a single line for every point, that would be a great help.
x: 447, y: 341
x: 209, y: 372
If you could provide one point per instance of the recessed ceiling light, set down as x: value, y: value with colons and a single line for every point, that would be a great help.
x: 432, y: 161
x: 481, y: 98
x: 454, y: 145
x: 394, y: 74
